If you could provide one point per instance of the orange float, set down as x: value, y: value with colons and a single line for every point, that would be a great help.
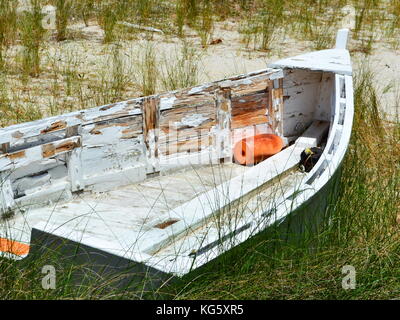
x: 13, y: 247
x: 254, y: 149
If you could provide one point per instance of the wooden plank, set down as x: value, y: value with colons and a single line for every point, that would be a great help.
x: 249, y: 110
x: 151, y: 117
x: 269, y: 110
x: 75, y: 170
x: 4, y: 147
x: 331, y: 60
x: 323, y: 109
x: 186, y: 125
x: 277, y: 107
x: 341, y: 38
x: 196, y: 211
x: 26, y: 157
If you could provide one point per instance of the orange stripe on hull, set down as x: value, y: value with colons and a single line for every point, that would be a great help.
x: 252, y: 150
x: 14, y: 247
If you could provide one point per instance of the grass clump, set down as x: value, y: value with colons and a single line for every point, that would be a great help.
x: 12, y: 108
x: 8, y: 22
x: 181, y: 70
x: 146, y: 69
x: 107, y: 19
x: 32, y: 36
x: 261, y: 24
x: 206, y: 24
x: 63, y: 13
x: 85, y: 9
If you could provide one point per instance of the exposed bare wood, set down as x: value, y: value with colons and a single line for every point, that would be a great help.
x: 55, y: 126
x: 26, y: 157
x: 249, y: 110
x: 4, y: 147
x: 277, y: 107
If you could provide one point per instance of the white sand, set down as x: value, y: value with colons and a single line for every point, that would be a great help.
x: 92, y: 59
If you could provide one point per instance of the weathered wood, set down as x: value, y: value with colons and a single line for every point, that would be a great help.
x: 131, y: 135
x: 4, y: 147
x: 151, y: 116
x: 75, y: 170
x: 341, y: 38
x: 323, y: 109
x: 6, y: 193
x: 26, y: 157
x: 240, y: 85
x: 249, y: 110
x: 223, y: 134
x: 300, y: 95
x: 186, y: 124
x: 277, y: 107
x: 269, y: 110
x: 331, y: 60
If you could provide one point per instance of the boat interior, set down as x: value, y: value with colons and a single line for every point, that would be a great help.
x: 140, y: 175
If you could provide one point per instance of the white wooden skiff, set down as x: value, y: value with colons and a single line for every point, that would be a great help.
x: 151, y: 179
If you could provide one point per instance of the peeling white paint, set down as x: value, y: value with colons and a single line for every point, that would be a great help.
x: 191, y: 121
x: 198, y: 89
x: 167, y: 102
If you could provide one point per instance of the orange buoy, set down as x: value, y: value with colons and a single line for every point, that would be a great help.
x: 13, y: 247
x: 254, y: 149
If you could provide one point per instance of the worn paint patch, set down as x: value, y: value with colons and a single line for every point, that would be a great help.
x: 16, y: 155
x: 165, y: 224
x: 95, y: 131
x: 129, y: 133
x: 17, y: 134
x: 167, y: 103
x: 50, y: 150
x: 66, y: 146
x: 58, y: 125
x: 191, y: 121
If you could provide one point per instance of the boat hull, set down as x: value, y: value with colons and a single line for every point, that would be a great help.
x: 92, y: 265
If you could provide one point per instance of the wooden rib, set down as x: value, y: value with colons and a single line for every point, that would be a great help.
x: 151, y: 117
x: 277, y: 106
x: 7, y: 201
x: 224, y: 112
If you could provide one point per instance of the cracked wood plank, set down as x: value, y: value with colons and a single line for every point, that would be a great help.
x: 26, y: 157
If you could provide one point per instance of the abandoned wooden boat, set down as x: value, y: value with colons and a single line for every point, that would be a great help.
x: 152, y: 181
